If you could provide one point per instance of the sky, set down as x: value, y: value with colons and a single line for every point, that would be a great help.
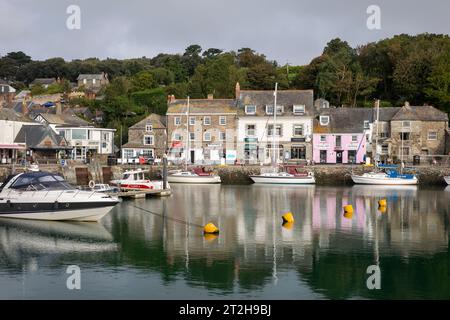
x: 288, y: 31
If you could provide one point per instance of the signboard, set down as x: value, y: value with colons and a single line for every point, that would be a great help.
x: 215, y: 155
x: 177, y: 144
x: 231, y: 155
x: 250, y: 139
x: 298, y: 139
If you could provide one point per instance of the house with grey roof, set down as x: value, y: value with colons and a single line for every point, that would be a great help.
x: 7, y: 93
x: 255, y: 125
x: 210, y: 126
x: 342, y: 135
x: 92, y: 82
x: 416, y: 132
x: 43, y: 82
x: 147, y: 138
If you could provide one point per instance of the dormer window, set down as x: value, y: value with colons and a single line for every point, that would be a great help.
x: 269, y: 109
x: 250, y: 109
x: 324, y: 120
x: 299, y: 109
x: 148, y: 127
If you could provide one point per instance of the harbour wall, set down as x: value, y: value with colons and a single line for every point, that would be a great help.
x: 80, y: 174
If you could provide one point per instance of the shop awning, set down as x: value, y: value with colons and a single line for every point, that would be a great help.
x: 16, y: 146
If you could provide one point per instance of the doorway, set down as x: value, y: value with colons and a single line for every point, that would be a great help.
x: 338, y: 156
x: 323, y: 156
x: 192, y: 156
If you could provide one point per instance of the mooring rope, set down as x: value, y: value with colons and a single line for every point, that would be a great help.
x: 170, y: 218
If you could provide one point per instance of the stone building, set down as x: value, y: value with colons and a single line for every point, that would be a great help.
x: 417, y: 131
x: 7, y: 93
x: 294, y: 125
x: 211, y: 125
x: 146, y: 138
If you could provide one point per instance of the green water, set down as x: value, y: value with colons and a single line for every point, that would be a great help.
x: 136, y: 254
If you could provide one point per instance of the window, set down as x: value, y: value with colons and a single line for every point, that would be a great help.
x: 148, y: 140
x: 105, y: 136
x: 278, y: 130
x: 406, y: 124
x: 104, y: 145
x: 207, y: 121
x: 338, y: 141
x: 223, y: 120
x: 250, y: 130
x: 352, y: 156
x: 79, y: 134
x: 323, y: 138
x: 432, y: 135
x: 177, y: 137
x: 404, y: 136
x: 191, y: 121
x: 367, y: 137
x: 223, y: 136
x: 366, y: 124
x: 404, y: 151
x: 384, y: 135
x: 147, y: 153
x: 354, y: 138
x: 384, y: 149
x: 324, y: 120
x: 93, y: 81
x: 250, y: 109
x: 298, y: 130
x: 177, y: 121
x: 299, y: 109
x: 128, y: 153
x: 192, y: 136
x: 62, y: 133
x: 269, y: 109
x: 84, y: 81
x: 207, y: 136
x: 148, y: 127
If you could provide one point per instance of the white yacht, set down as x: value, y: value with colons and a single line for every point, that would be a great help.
x: 284, y: 178
x: 47, y: 196
x: 135, y: 180
x: 390, y: 177
x: 195, y: 176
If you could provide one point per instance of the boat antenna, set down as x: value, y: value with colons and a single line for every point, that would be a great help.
x: 274, y: 131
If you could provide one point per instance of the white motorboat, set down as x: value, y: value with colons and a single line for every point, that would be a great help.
x: 135, y: 180
x: 391, y: 177
x: 193, y: 177
x: 447, y: 179
x: 104, y: 188
x: 283, y: 178
x: 47, y: 196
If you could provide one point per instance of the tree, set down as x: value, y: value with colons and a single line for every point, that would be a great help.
x: 142, y: 81
x: 439, y: 82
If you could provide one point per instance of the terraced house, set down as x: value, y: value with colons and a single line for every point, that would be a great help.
x: 294, y: 125
x: 210, y: 126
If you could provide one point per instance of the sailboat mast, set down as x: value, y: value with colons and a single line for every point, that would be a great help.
x: 376, y: 137
x: 274, y: 130
x: 187, y: 136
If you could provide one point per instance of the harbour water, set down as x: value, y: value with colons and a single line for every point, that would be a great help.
x: 163, y: 254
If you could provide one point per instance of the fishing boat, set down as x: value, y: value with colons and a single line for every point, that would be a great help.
x: 198, y: 175
x: 447, y: 179
x: 276, y: 177
x: 47, y: 196
x: 385, y: 174
x: 135, y: 180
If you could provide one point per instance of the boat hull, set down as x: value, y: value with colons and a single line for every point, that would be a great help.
x: 194, y: 179
x: 447, y: 179
x: 283, y: 180
x: 383, y: 181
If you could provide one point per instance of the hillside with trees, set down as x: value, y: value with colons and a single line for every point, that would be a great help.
x: 395, y: 70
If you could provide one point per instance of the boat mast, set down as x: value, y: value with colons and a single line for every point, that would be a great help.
x: 188, y: 138
x: 376, y: 137
x: 274, y: 130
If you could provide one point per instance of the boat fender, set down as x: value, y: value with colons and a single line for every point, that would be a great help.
x: 210, y: 228
x: 348, y: 215
x: 287, y: 217
x: 348, y: 208
x: 92, y: 184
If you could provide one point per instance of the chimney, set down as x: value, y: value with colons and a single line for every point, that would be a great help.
x: 406, y: 103
x: 58, y: 108
x: 170, y: 98
x: 210, y: 96
x: 238, y: 90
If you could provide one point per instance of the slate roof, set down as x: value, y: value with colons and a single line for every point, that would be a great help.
x: 420, y: 113
x: 67, y: 118
x: 155, y: 119
x: 196, y: 106
x: 10, y: 114
x: 34, y: 135
x: 387, y: 113
x: 345, y: 120
x: 285, y: 98
x: 98, y: 76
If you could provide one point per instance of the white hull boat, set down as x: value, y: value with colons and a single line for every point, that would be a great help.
x: 384, y: 179
x: 447, y: 179
x: 46, y: 196
x: 190, y: 177
x: 283, y: 178
x: 135, y: 180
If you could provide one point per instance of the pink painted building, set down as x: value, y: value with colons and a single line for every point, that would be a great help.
x: 341, y: 135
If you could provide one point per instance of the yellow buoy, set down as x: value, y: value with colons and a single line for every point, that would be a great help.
x: 210, y: 236
x: 348, y: 208
x: 210, y: 228
x: 382, y: 202
x: 382, y: 209
x: 288, y: 225
x: 288, y: 217
x: 348, y: 214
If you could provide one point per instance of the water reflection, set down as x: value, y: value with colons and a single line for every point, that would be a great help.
x: 323, y: 254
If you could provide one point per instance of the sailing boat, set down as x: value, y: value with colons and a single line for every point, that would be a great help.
x: 198, y: 176
x: 276, y: 177
x: 389, y: 175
